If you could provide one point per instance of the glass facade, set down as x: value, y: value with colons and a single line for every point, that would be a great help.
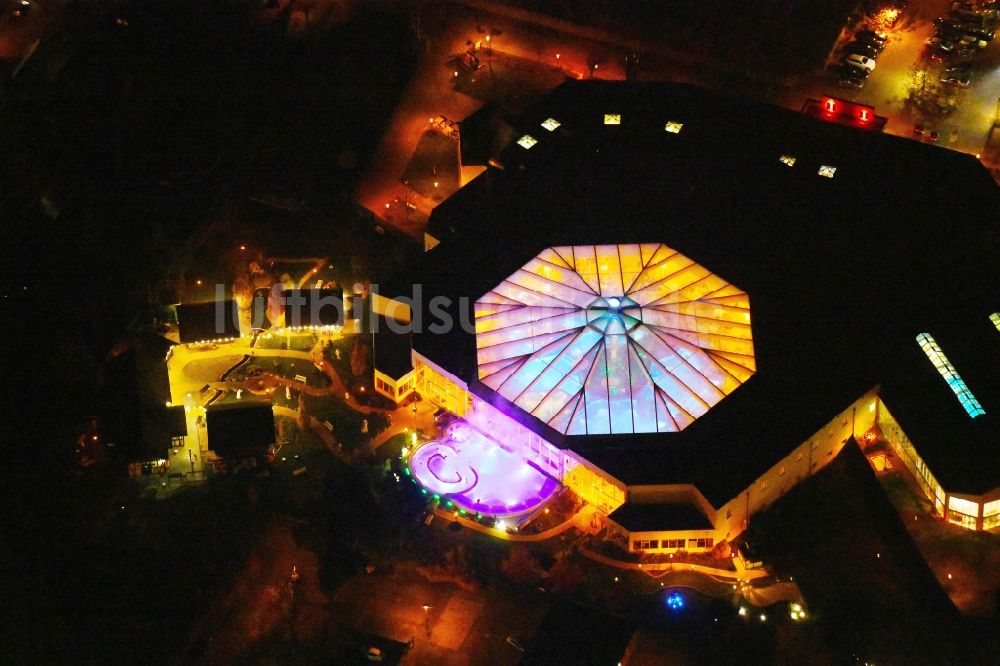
x: 600, y: 339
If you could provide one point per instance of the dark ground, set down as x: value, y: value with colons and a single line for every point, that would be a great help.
x: 775, y: 36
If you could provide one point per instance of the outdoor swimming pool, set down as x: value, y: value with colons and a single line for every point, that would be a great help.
x: 478, y: 474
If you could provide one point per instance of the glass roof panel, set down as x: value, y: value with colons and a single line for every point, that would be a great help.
x: 597, y: 339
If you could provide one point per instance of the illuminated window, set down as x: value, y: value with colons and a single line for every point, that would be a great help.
x: 673, y: 127
x: 787, y: 160
x: 951, y: 376
x: 551, y: 124
x: 600, y: 339
x: 991, y: 514
x: 527, y: 141
x: 827, y: 171
x: 995, y: 318
x: 963, y: 506
x: 612, y: 119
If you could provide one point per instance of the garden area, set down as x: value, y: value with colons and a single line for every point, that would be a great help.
x: 966, y: 563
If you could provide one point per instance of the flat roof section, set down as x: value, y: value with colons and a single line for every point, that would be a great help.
x: 313, y: 307
x: 961, y: 451
x: 200, y: 322
x: 660, y: 517
x: 392, y: 352
x: 240, y: 431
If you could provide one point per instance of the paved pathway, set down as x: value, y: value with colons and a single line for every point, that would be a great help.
x: 653, y: 567
x: 580, y: 520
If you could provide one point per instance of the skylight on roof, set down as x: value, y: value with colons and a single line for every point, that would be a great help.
x: 527, y: 141
x: 951, y: 376
x: 673, y: 127
x: 612, y: 119
x: 827, y: 171
x: 995, y: 318
x: 601, y: 339
x: 787, y: 160
x: 551, y: 124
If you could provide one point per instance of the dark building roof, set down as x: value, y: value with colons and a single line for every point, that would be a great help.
x: 174, y: 421
x: 838, y: 270
x: 313, y: 307
x: 208, y: 321
x: 481, y: 131
x: 134, y: 390
x: 240, y: 430
x: 962, y: 452
x: 392, y: 352
x: 654, y: 517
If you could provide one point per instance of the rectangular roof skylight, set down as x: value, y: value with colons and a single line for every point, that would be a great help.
x: 527, y: 141
x: 551, y: 124
x: 673, y: 127
x: 612, y: 119
x: 827, y: 171
x: 951, y: 376
x: 995, y: 318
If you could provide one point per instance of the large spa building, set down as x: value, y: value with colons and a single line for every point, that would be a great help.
x: 678, y: 305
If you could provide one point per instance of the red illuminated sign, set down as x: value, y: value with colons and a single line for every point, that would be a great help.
x: 843, y: 112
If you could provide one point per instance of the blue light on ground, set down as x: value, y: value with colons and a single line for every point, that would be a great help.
x: 675, y: 601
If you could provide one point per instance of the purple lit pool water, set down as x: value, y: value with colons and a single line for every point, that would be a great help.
x: 479, y: 475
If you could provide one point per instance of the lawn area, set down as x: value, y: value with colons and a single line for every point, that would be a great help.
x: 289, y: 367
x: 296, y: 342
x: 347, y: 423
x: 971, y: 559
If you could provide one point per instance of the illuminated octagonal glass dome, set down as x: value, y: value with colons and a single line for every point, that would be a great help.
x: 598, y: 339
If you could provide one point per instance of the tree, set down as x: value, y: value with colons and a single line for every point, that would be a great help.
x: 521, y: 566
x: 359, y: 357
x: 565, y: 575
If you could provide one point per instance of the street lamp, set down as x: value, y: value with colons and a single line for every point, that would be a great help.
x: 427, y: 623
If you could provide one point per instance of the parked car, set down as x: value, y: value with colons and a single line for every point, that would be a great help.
x: 855, y: 72
x: 863, y: 37
x: 971, y: 41
x: 961, y: 56
x: 947, y: 23
x: 871, y: 36
x: 851, y: 81
x: 946, y: 34
x: 859, y: 61
x: 959, y: 76
x: 982, y: 34
x: 862, y: 49
x: 939, y: 44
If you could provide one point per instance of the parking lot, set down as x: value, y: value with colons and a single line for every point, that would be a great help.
x: 924, y: 79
